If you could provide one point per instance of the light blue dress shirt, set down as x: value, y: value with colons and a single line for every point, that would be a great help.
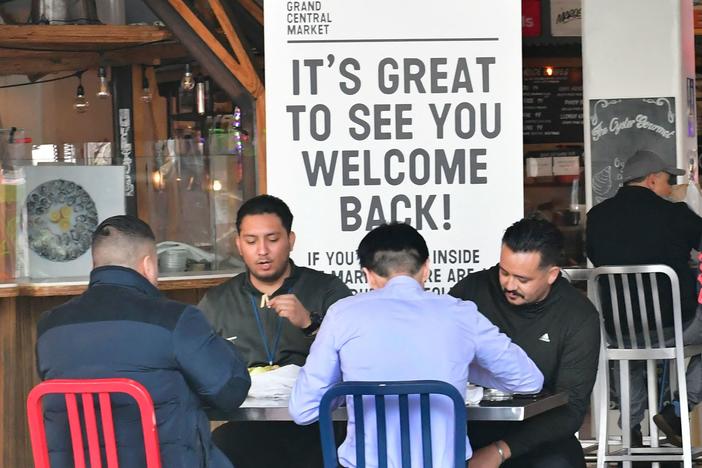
x: 402, y: 332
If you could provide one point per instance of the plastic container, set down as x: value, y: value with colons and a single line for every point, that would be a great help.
x: 15, y: 147
x: 173, y: 260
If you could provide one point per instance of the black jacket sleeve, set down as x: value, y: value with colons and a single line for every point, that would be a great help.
x: 212, y: 367
x: 213, y: 314
x: 576, y: 375
x: 335, y: 291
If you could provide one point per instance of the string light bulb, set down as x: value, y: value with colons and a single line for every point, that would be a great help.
x: 146, y: 95
x: 80, y: 103
x: 187, y: 82
x: 103, y: 91
x: 157, y: 180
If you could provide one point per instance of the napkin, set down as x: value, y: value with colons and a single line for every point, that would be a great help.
x: 276, y: 384
x: 474, y: 394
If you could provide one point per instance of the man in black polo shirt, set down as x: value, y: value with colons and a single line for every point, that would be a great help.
x: 640, y: 226
x: 526, y: 297
x: 271, y: 313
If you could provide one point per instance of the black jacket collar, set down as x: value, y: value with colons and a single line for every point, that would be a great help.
x: 285, y: 288
x: 121, y: 276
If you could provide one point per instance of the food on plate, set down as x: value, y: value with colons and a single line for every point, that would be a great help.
x: 261, y: 369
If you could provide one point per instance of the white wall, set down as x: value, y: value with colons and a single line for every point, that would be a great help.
x: 46, y: 111
x: 21, y: 107
x: 639, y: 48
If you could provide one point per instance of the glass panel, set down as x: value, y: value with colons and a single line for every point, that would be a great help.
x: 189, y: 199
x: 192, y: 204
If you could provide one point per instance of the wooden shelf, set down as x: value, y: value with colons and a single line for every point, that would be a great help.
x: 43, y: 49
x: 89, y: 36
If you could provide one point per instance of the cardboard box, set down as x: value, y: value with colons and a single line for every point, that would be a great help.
x: 539, y: 167
x: 566, y: 165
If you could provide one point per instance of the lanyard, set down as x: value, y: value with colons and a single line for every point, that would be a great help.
x: 270, y: 353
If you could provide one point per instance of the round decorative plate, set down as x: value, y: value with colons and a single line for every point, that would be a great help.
x: 61, y: 219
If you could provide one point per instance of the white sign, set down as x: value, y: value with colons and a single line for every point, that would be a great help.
x: 381, y: 111
x: 566, y: 18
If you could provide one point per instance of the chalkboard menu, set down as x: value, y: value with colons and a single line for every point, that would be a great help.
x: 619, y: 128
x: 553, y: 104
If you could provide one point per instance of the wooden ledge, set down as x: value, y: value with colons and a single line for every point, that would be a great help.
x: 73, y: 288
x: 9, y: 289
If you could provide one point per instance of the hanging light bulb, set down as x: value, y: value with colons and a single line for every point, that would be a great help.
x: 145, y: 88
x: 187, y: 82
x: 80, y: 103
x: 103, y: 91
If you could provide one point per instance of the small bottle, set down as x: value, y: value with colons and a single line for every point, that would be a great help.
x: 200, y: 94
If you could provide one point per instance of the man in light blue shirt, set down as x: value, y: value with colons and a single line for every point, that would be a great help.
x: 399, y: 331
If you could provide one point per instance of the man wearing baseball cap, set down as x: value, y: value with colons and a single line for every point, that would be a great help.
x: 640, y: 226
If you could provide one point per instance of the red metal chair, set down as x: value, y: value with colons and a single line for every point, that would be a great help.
x: 87, y: 389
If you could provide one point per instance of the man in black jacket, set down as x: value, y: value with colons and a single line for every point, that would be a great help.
x: 528, y: 300
x: 639, y: 226
x: 271, y: 312
x: 122, y: 327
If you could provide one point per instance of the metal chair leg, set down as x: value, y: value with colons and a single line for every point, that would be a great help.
x: 625, y: 409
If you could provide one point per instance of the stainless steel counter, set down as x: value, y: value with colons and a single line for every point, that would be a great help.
x: 516, y: 409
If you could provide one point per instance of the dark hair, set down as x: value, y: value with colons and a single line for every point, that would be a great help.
x: 265, y: 204
x: 536, y: 235
x: 393, y: 248
x: 126, y: 225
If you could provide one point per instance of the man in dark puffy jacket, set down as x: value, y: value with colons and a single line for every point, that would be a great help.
x: 122, y: 327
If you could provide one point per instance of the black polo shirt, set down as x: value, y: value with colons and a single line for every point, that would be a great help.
x: 637, y: 227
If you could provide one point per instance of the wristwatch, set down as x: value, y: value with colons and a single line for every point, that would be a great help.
x: 316, y: 320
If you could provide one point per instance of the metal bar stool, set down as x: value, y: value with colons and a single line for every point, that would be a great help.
x: 634, y: 299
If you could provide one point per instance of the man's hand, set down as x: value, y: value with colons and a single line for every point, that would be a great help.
x: 488, y: 456
x: 678, y: 192
x: 288, y: 306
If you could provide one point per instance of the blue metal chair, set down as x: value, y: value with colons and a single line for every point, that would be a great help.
x: 402, y: 390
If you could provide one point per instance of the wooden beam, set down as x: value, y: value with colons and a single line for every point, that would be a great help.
x: 253, y: 9
x: 12, y: 54
x: 159, y: 112
x: 196, y: 46
x: 121, y: 57
x: 85, y: 36
x: 45, y: 66
x: 261, y: 164
x: 149, y: 127
x: 248, y: 80
x: 236, y: 44
x: 23, y: 62
x: 244, y: 59
x: 142, y: 150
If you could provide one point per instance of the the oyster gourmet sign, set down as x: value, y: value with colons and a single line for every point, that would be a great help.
x: 382, y: 111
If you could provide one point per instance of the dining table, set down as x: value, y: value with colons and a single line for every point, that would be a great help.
x: 516, y: 408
